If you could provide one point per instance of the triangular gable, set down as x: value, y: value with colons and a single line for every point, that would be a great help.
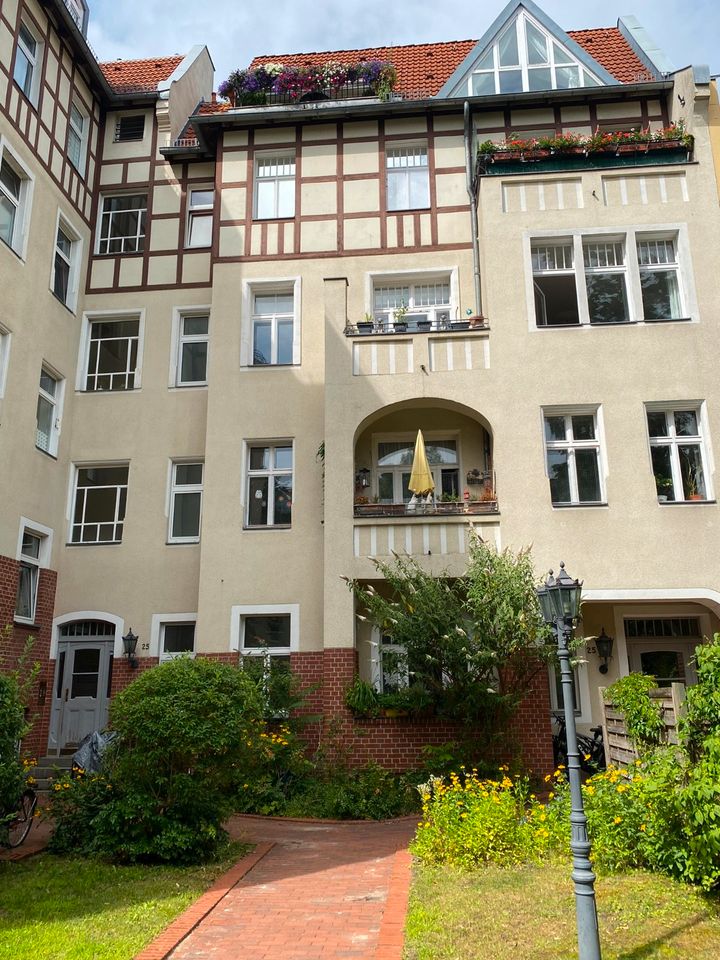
x: 534, y: 54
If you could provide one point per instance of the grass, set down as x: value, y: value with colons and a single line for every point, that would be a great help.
x: 73, y: 909
x: 528, y: 913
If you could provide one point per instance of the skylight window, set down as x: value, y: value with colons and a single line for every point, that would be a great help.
x: 524, y: 57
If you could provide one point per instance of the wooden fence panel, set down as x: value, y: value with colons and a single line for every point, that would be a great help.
x: 619, y: 748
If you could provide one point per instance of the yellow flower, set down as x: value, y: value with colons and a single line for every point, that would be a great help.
x: 642, y: 827
x: 586, y: 756
x: 617, y: 820
x: 548, y: 778
x: 621, y: 788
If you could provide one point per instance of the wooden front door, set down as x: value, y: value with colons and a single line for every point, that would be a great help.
x: 81, y: 691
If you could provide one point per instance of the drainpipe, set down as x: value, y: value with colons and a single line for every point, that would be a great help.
x: 473, y: 184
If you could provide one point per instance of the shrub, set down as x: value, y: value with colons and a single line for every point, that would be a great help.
x: 14, y: 687
x: 702, y: 703
x: 185, y: 730
x: 468, y: 821
x: 367, y: 793
x: 279, y: 770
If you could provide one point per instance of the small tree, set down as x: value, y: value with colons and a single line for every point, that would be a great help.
x: 15, y: 686
x: 474, y: 642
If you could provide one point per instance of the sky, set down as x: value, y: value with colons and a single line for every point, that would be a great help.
x: 235, y: 32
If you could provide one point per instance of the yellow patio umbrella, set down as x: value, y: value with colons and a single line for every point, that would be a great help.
x: 421, y: 479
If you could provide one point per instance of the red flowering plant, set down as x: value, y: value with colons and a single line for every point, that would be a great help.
x: 598, y: 142
x: 245, y: 87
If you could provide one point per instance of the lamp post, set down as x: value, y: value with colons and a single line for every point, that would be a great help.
x: 560, y: 603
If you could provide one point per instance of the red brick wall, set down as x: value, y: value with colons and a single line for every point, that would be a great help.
x: 11, y: 647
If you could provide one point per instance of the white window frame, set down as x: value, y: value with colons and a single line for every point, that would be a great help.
x: 587, y: 77
x: 175, y: 489
x: 76, y: 468
x: 179, y: 338
x: 702, y: 440
x: 676, y: 267
x: 377, y: 647
x: 85, y: 337
x: 5, y: 343
x: 45, y: 536
x: 23, y: 204
x: 404, y: 153
x: 251, y: 288
x: 270, y: 473
x: 80, y: 135
x: 74, y: 261
x: 34, y: 59
x: 199, y: 211
x: 598, y: 444
x: 630, y: 237
x: 57, y: 403
x: 157, y: 634
x: 140, y: 233
x: 239, y: 612
x: 282, y: 160
x: 77, y: 12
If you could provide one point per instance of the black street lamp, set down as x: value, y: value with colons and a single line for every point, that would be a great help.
x: 560, y: 603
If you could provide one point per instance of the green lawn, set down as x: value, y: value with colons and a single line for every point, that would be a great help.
x: 67, y: 909
x: 528, y: 913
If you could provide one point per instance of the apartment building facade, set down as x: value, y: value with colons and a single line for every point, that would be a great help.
x: 226, y: 322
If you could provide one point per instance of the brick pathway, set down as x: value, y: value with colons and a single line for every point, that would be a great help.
x: 324, y: 891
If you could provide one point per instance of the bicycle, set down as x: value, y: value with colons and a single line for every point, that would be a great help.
x: 591, y: 749
x: 19, y: 827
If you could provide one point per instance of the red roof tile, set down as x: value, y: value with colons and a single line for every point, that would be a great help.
x: 130, y: 75
x: 612, y: 51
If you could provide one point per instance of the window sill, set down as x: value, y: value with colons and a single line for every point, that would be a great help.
x: 135, y: 253
x: 409, y: 209
x: 33, y: 103
x: 202, y: 247
x: 684, y: 503
x: 274, y: 526
x: 274, y: 219
x: 592, y: 504
x: 93, y: 543
x: 269, y: 366
x: 70, y: 310
x: 182, y: 543
x: 7, y: 246
x: 82, y: 392
x: 189, y: 386
x: 26, y: 624
x: 610, y: 323
x: 47, y: 453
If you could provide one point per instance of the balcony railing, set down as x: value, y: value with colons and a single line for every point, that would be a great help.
x: 620, y: 155
x: 423, y: 510
x: 415, y: 323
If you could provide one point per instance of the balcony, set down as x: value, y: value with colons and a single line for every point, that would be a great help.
x: 413, y: 323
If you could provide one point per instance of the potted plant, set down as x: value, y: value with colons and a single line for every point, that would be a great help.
x: 400, y: 319
x: 424, y: 323
x: 366, y: 325
x: 361, y: 698
x: 663, y: 485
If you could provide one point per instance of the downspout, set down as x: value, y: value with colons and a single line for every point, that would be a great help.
x: 473, y: 184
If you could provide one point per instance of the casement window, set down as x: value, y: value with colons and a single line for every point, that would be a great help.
x: 408, y: 178
x: 192, y: 350
x: 31, y: 557
x: 112, y: 354
x: 266, y: 640
x: 177, y: 640
x: 678, y: 452
x: 130, y: 128
x: 275, y: 187
x: 186, y: 487
x: 99, y: 503
x: 77, y: 138
x: 269, y: 484
x: 66, y: 264
x: 389, y: 664
x: 15, y: 197
x: 49, y: 408
x: 573, y: 457
x: 122, y: 224
x: 422, y: 305
x: 393, y: 465
x: 605, y: 279
x: 27, y: 62
x: 273, y: 328
x: 5, y: 338
x: 526, y: 57
x: 76, y: 11
x: 200, y: 217
x: 659, y: 279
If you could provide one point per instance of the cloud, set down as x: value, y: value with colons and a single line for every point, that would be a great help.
x: 235, y: 34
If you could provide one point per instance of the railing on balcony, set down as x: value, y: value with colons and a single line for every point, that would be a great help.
x: 415, y: 323
x: 423, y: 511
